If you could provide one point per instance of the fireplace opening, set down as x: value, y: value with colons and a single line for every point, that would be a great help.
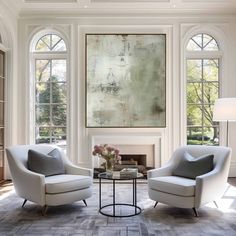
x: 133, y: 161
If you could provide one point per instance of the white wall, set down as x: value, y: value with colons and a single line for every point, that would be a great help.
x: 8, y: 31
x: 175, y: 27
x: 231, y: 90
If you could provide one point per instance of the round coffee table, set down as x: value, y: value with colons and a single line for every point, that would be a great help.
x: 136, y: 209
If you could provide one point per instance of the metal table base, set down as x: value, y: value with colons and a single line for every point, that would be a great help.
x: 137, y: 209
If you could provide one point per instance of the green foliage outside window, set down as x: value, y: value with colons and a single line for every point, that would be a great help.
x: 202, y: 91
x: 50, y: 93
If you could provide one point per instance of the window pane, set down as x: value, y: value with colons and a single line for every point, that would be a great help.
x: 59, y: 135
x: 209, y: 43
x: 194, y: 115
x: 42, y: 46
x: 202, y: 42
x: 59, y: 115
x: 194, y: 135
x: 55, y: 39
x: 60, y: 46
x: 43, y: 134
x: 58, y: 92
x: 211, y: 135
x: 42, y: 115
x: 194, y: 70
x: 194, y: 93
x: 42, y: 70
x: 50, y: 42
x: 211, y: 92
x: 47, y: 40
x: 42, y: 92
x: 207, y: 115
x: 206, y: 39
x: 193, y: 46
x: 59, y: 131
x: 210, y: 71
x: 58, y: 70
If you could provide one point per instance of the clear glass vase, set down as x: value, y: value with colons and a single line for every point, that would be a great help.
x: 109, y: 166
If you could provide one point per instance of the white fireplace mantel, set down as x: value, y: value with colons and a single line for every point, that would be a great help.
x: 136, y: 139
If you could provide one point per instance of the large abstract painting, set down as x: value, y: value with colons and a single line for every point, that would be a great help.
x: 125, y: 80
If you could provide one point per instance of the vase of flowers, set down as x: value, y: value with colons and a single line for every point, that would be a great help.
x: 109, y: 154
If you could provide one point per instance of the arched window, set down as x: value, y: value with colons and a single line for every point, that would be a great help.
x: 50, y: 83
x: 202, y: 75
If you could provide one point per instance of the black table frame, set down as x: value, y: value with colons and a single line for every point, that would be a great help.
x: 137, y: 209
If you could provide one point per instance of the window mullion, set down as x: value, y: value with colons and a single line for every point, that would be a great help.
x: 50, y: 100
x: 202, y: 105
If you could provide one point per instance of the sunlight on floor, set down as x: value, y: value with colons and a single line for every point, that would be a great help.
x: 6, y: 190
x: 6, y: 194
x: 226, y: 203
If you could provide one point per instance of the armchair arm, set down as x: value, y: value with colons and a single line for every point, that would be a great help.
x: 75, y: 170
x: 210, y: 187
x: 163, y: 171
x: 29, y: 185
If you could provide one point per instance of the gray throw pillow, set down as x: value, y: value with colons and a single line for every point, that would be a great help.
x: 46, y: 164
x: 191, y: 167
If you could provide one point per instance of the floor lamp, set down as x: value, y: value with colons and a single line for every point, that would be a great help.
x: 225, y: 110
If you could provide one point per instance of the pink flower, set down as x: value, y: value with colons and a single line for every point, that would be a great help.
x: 107, y: 152
x: 110, y: 149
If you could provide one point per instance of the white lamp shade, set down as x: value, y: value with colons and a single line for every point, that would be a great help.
x: 225, y: 109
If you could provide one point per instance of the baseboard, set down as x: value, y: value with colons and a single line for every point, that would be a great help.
x: 232, y: 169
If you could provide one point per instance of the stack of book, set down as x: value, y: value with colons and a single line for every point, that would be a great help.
x: 129, y: 173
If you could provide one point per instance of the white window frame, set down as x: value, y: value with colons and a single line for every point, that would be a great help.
x: 47, y: 55
x: 221, y: 54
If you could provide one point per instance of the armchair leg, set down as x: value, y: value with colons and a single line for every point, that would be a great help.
x: 85, y: 203
x: 155, y: 204
x: 195, y: 212
x: 215, y: 204
x: 44, y: 210
x: 24, y: 203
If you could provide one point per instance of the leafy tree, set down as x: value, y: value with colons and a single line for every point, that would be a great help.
x: 202, y: 91
x: 53, y: 106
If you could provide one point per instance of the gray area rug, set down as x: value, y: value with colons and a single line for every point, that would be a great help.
x: 77, y: 219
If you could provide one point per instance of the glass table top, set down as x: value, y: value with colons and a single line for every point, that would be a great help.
x: 116, y: 176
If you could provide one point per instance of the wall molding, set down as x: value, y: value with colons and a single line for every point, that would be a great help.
x: 232, y: 169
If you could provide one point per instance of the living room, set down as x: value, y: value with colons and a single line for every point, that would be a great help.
x: 143, y: 77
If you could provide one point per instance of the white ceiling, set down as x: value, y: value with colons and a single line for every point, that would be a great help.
x: 32, y: 7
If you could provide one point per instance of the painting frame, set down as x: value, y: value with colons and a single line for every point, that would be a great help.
x: 88, y: 92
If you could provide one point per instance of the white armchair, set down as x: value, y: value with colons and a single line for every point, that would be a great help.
x: 177, y: 191
x: 74, y: 185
